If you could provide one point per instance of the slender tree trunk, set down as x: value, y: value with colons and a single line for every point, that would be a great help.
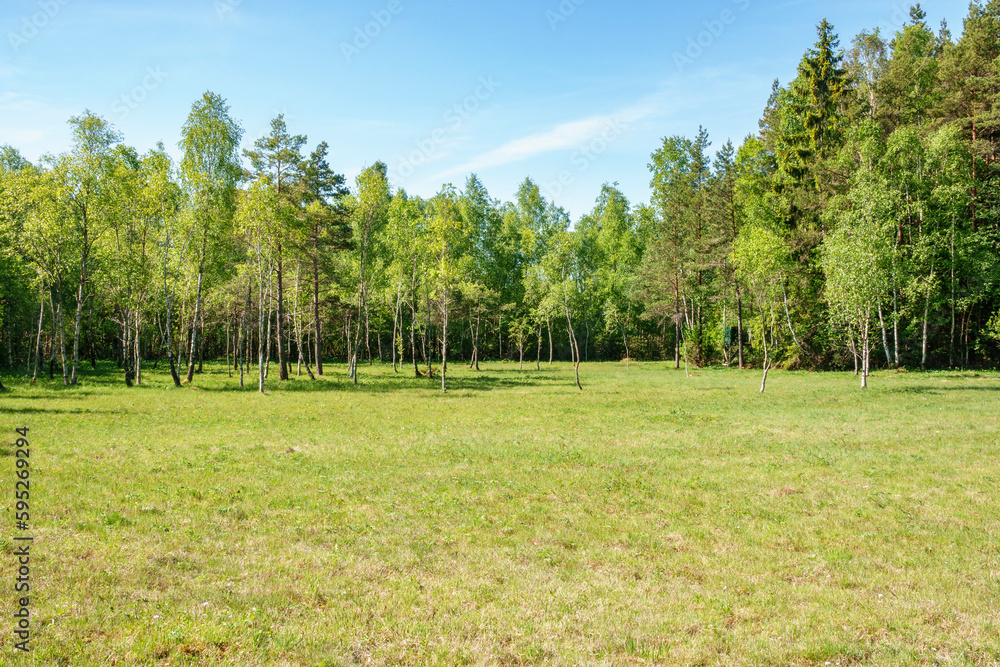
x: 951, y: 339
x: 260, y: 338
x: 788, y: 317
x: 368, y: 335
x: 270, y: 328
x: 180, y: 336
x: 444, y: 338
x: 201, y: 344
x: 413, y: 322
x: 767, y: 354
x: 687, y: 372
x: 303, y: 359
x: 538, y: 359
x: 318, y: 355
x: 138, y: 346
x: 295, y: 319
x: 126, y: 342
x: 575, y: 353
x: 298, y: 330
x: 574, y: 346
x: 10, y: 336
x: 279, y: 330
x: 966, y: 321
x: 427, y: 344
x: 356, y: 344
x: 362, y: 300
x: 767, y: 367
x: 739, y: 326
x: 239, y: 345
x: 885, y: 337
x: 55, y: 332
x: 413, y: 339
x: 397, y: 335
x: 895, y: 327
x: 263, y: 315
x: 865, y: 352
x: 548, y: 320
x: 628, y: 360
x: 197, y: 307
x: 91, y: 343
x: 854, y: 350
x: 677, y: 343
x: 927, y: 310
x: 79, y: 300
x: 309, y: 346
x: 520, y: 350
x: 479, y: 329
x: 472, y: 334
x: 169, y: 326
x: 77, y: 321
x: 413, y: 318
x: 62, y: 338
x: 38, y: 335
x: 243, y: 331
x: 726, y: 361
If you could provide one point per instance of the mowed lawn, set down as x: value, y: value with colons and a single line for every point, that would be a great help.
x: 651, y: 519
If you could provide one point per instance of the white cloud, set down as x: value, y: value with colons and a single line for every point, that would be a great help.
x: 9, y: 71
x: 17, y: 137
x: 10, y: 101
x: 561, y: 137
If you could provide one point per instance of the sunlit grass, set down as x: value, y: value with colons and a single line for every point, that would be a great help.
x: 651, y: 519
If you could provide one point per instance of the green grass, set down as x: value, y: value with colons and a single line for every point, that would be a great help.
x: 651, y: 519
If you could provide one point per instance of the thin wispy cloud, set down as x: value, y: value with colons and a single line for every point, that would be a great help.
x: 564, y: 136
x: 11, y: 101
x: 19, y: 137
x: 9, y: 71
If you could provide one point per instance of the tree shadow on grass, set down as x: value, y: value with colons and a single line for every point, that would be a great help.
x: 216, y: 379
x: 381, y: 383
x: 42, y: 393
x: 378, y: 385
x: 928, y: 389
x: 16, y: 410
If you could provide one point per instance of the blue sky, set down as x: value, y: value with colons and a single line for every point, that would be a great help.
x: 572, y: 93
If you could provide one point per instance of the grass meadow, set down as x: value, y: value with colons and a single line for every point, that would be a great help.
x: 652, y: 519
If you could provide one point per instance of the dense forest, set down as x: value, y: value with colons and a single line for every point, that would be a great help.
x: 857, y: 229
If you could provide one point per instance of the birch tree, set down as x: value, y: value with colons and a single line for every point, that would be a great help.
x: 86, y: 174
x: 448, y: 248
x: 857, y: 256
x: 211, y: 172
x: 255, y: 218
x: 370, y: 206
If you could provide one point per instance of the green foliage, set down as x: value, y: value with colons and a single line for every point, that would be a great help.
x: 867, y: 205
